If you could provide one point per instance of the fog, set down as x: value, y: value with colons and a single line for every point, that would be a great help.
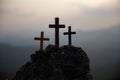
x: 102, y: 47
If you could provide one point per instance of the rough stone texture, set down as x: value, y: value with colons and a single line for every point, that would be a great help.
x: 65, y: 63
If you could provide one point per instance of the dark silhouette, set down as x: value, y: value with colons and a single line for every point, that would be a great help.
x: 54, y: 62
x: 56, y: 26
x: 65, y: 63
x: 69, y: 33
x: 41, y: 40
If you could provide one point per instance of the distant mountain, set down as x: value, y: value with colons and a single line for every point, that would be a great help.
x: 11, y: 57
x: 103, y: 50
x: 108, y: 72
x: 102, y: 47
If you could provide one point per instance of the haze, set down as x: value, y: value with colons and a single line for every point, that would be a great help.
x: 97, y: 23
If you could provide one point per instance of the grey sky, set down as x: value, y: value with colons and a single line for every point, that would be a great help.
x: 29, y: 17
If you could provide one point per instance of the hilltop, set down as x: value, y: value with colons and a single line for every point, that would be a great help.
x: 65, y: 63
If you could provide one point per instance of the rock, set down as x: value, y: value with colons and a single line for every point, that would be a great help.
x: 65, y: 63
x: 51, y: 48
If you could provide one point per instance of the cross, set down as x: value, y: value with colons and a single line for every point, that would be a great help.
x: 69, y: 33
x: 56, y: 26
x: 41, y: 40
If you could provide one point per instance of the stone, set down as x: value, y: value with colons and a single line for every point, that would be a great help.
x: 65, y: 63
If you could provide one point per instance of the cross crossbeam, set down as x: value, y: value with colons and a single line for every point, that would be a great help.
x: 69, y: 33
x: 41, y: 39
x: 56, y: 26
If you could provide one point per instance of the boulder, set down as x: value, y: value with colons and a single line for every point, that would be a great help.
x: 65, y: 63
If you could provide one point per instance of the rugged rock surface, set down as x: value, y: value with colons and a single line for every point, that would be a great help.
x: 65, y: 63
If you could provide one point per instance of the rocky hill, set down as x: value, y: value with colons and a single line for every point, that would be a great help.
x: 65, y: 63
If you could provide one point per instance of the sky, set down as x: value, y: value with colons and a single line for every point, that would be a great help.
x: 94, y: 21
x: 29, y: 17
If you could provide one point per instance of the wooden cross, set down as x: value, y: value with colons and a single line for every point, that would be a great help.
x: 41, y: 40
x: 69, y: 33
x: 56, y: 26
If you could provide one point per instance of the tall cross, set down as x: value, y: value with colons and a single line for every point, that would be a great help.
x: 56, y: 26
x: 41, y: 40
x: 69, y: 33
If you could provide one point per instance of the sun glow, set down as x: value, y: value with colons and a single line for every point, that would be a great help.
x: 26, y: 13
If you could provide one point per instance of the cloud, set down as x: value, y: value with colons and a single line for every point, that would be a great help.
x: 83, y: 14
x: 103, y: 11
x: 100, y: 3
x: 46, y: 8
x: 14, y: 12
x: 89, y: 18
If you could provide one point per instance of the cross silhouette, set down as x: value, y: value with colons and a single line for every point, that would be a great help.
x: 41, y: 40
x: 69, y: 33
x: 56, y: 26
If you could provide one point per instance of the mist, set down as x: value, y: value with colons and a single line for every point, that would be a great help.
x: 101, y: 46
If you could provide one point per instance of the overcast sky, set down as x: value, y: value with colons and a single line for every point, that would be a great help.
x: 18, y: 16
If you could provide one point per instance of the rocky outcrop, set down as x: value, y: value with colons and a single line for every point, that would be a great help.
x: 65, y: 63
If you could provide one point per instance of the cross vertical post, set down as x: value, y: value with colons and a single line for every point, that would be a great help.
x: 69, y: 33
x: 41, y: 43
x: 69, y: 30
x: 56, y: 26
x: 57, y: 32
